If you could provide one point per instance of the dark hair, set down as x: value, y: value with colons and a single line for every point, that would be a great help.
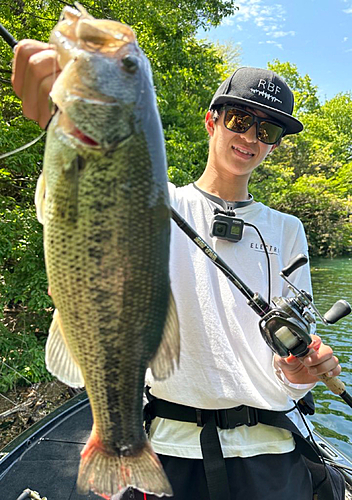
x: 215, y: 114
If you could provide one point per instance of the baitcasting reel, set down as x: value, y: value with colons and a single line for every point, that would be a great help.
x: 287, y: 326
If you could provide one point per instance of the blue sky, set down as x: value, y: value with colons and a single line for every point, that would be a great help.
x: 316, y: 35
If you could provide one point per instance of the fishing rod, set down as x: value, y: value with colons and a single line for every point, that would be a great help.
x: 286, y: 324
x: 9, y: 39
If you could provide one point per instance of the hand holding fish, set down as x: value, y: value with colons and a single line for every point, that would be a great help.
x: 306, y: 370
x: 35, y: 69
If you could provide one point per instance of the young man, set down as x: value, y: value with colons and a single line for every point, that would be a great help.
x: 225, y: 364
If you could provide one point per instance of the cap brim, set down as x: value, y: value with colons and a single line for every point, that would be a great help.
x: 291, y: 124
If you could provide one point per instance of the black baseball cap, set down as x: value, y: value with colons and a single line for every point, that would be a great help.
x: 259, y: 89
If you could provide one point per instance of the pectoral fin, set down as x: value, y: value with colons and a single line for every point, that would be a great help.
x: 58, y: 358
x: 40, y: 198
x: 168, y: 353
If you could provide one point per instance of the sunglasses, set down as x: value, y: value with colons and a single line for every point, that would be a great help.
x: 239, y: 121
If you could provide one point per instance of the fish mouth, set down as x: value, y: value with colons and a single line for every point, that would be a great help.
x: 69, y: 129
x: 88, y: 141
x: 84, y: 138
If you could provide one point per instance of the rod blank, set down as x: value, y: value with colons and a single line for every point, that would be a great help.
x: 9, y: 39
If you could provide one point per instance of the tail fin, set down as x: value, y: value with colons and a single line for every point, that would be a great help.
x: 110, y: 475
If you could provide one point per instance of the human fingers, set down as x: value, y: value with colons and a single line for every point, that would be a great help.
x: 35, y: 69
x: 23, y: 52
x: 292, y: 361
x: 294, y: 370
x: 42, y: 70
x: 322, y: 361
x: 44, y: 106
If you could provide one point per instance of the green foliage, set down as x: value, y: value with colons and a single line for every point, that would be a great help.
x: 22, y: 274
x: 21, y: 253
x: 316, y: 201
x: 304, y: 91
x: 22, y: 357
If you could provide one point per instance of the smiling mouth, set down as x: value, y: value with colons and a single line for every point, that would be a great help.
x: 243, y: 151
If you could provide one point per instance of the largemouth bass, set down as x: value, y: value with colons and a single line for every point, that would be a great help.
x: 102, y: 197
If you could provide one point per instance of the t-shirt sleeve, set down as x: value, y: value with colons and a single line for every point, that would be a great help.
x: 172, y: 193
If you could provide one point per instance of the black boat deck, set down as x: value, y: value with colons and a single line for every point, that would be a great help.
x: 48, y: 465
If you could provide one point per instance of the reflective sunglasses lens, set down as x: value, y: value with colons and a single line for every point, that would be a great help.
x: 269, y: 133
x: 237, y: 120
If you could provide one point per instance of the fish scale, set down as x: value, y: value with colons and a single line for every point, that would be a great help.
x: 103, y: 200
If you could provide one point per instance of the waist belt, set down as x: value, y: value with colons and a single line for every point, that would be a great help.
x: 224, y: 419
x: 209, y: 420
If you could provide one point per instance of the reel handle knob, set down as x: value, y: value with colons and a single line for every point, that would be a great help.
x: 294, y: 264
x: 339, y: 310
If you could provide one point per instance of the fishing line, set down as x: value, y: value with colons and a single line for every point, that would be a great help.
x: 22, y: 148
x: 210, y: 199
x: 8, y: 399
x: 3, y: 80
x: 13, y: 369
x: 61, y: 441
x: 267, y: 258
x: 221, y: 264
x: 325, y: 459
x: 20, y: 374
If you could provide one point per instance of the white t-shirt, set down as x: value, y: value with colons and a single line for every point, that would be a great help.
x: 224, y: 360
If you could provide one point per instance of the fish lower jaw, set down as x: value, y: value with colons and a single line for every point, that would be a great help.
x: 83, y: 138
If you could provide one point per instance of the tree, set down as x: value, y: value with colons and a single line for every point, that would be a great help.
x: 305, y: 93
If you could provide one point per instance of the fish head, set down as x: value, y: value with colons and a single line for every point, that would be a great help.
x: 105, y: 79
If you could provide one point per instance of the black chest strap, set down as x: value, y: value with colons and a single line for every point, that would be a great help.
x: 214, y: 463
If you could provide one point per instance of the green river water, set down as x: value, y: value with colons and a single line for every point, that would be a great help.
x: 333, y: 418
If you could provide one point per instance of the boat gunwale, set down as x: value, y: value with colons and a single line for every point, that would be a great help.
x: 10, y: 454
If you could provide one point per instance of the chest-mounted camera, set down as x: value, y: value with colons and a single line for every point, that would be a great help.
x: 226, y: 226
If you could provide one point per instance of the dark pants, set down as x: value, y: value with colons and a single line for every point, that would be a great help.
x: 264, y: 477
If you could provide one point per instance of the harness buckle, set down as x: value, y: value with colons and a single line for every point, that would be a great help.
x: 235, y: 417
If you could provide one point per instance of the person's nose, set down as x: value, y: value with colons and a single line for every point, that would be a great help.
x: 251, y: 134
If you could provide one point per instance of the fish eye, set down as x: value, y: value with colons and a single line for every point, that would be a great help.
x: 130, y: 63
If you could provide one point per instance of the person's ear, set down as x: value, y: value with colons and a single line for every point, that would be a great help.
x: 274, y: 146
x: 209, y: 123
